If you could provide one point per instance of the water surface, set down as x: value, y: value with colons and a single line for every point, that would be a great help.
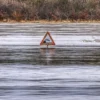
x: 71, y: 71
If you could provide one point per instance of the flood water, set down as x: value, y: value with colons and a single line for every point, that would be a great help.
x: 70, y: 71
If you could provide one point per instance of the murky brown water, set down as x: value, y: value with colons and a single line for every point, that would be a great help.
x: 71, y: 71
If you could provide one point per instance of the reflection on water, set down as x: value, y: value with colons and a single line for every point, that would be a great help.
x: 30, y: 73
x: 58, y: 56
x: 48, y: 54
x: 33, y: 73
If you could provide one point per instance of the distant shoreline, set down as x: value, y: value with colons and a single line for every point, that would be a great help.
x: 52, y: 21
x: 50, y: 10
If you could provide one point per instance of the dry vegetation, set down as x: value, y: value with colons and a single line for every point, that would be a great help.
x: 49, y: 10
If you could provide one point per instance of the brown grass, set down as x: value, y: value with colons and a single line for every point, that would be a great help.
x: 58, y: 10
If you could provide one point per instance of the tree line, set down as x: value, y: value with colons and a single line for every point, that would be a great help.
x: 49, y: 10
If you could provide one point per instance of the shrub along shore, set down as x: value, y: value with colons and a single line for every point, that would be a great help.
x: 57, y: 10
